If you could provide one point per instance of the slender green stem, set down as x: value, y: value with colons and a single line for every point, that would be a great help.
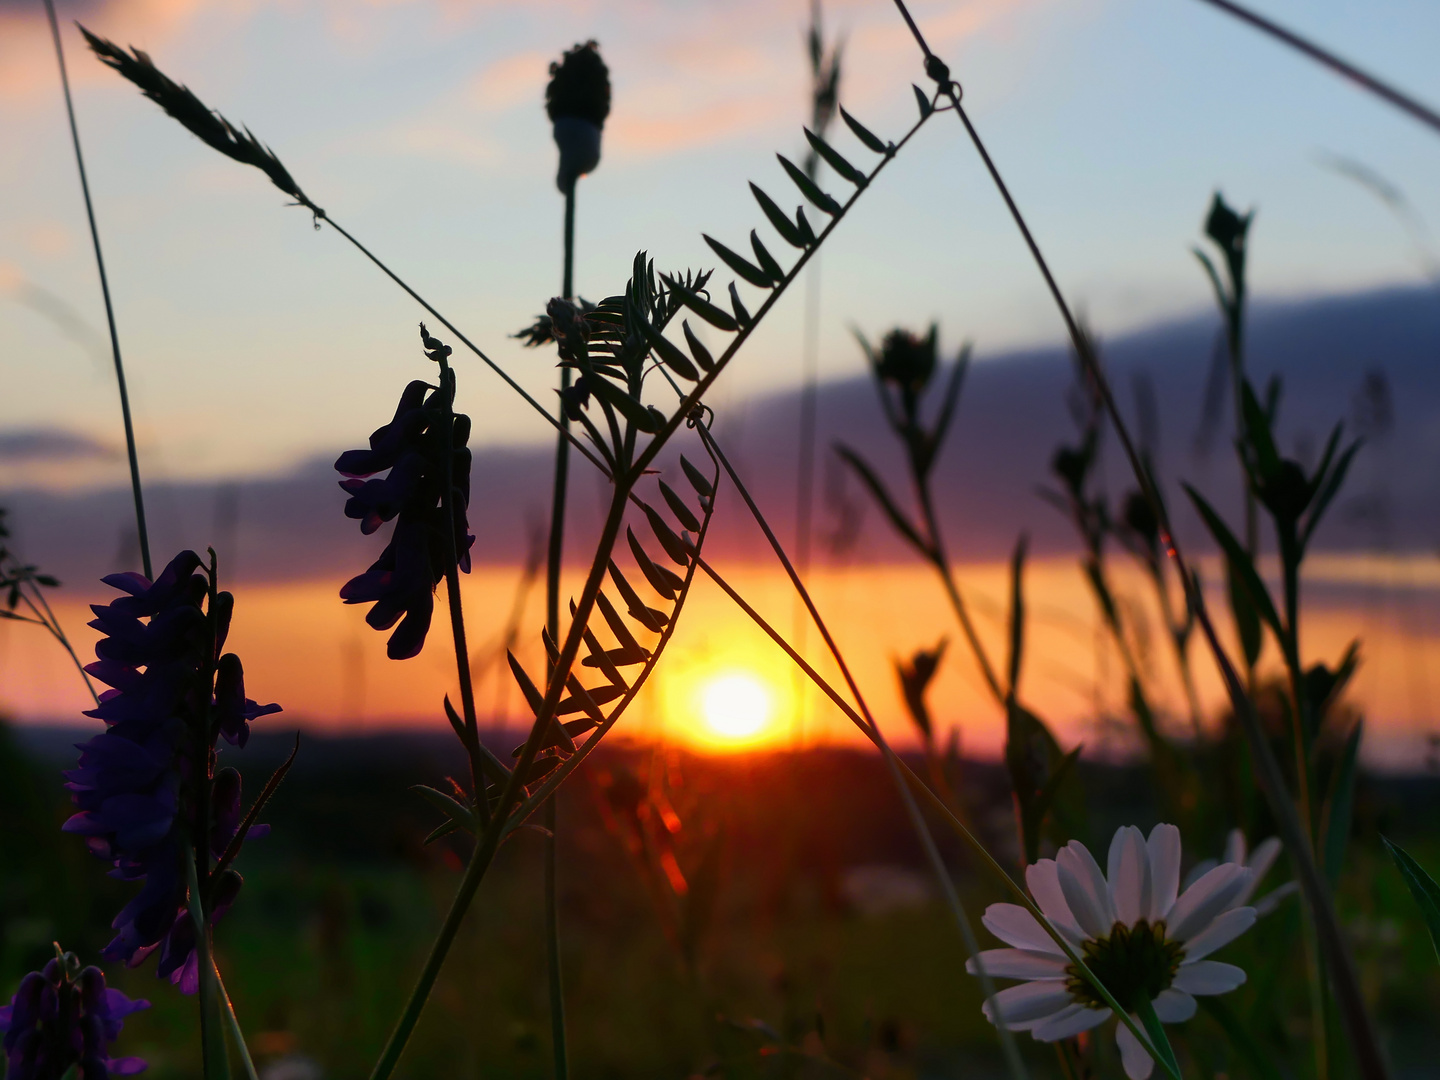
x: 1346, y: 983
x: 499, y: 825
x: 212, y: 1037
x: 1158, y: 1039
x: 232, y: 1024
x: 140, y: 528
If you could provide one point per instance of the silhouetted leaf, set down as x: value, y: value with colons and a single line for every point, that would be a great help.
x: 864, y: 134
x: 663, y: 581
x: 648, y: 617
x: 1017, y: 616
x: 533, y: 697
x: 808, y: 187
x: 765, y: 259
x: 834, y: 159
x: 676, y: 548
x: 702, y: 307
x: 882, y: 496
x: 803, y: 223
x: 922, y: 100
x: 951, y: 398
x: 669, y: 352
x: 1327, y: 492
x: 458, y: 816
x: 628, y: 407
x: 1422, y: 888
x: 742, y: 266
x: 697, y: 479
x: 741, y: 315
x: 783, y: 225
x: 697, y: 349
x: 630, y: 651
x: 677, y: 505
x: 1236, y: 556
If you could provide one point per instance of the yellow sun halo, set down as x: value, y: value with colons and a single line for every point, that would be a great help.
x: 736, y: 705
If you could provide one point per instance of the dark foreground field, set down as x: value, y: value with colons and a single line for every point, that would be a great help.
x: 760, y: 915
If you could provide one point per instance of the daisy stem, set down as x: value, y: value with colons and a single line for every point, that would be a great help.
x: 1146, y: 1008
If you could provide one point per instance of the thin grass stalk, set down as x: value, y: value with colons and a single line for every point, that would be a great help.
x: 939, y: 806
x: 1364, y: 80
x: 497, y: 830
x: 212, y: 1037
x: 556, y: 554
x: 872, y: 729
x: 1364, y: 1040
x: 136, y: 494
x: 805, y: 466
x: 232, y: 1024
x: 47, y: 619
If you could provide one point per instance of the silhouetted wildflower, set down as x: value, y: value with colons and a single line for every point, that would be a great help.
x: 577, y: 100
x: 63, y: 1016
x: 137, y: 785
x: 401, y: 582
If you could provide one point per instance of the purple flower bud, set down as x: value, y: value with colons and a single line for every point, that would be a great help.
x: 63, y: 1016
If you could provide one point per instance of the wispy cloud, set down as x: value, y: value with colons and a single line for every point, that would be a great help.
x: 51, y: 444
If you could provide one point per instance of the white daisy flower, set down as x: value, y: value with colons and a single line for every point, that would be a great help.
x: 1131, y: 929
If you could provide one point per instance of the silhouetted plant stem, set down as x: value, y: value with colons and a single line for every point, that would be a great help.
x: 805, y: 468
x: 1347, y: 70
x: 552, y: 624
x: 232, y: 1023
x: 1294, y: 835
x: 43, y: 615
x: 140, y: 528
x: 936, y: 804
x: 212, y: 1038
x: 500, y: 824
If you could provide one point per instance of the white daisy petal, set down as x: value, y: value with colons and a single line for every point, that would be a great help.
x: 1044, y: 880
x: 1260, y: 862
x: 1235, y: 847
x: 1068, y: 1023
x: 1164, y: 848
x: 1085, y: 890
x: 1207, y: 898
x: 1174, y: 1006
x: 1271, y: 900
x: 1027, y: 1003
x: 1017, y: 964
x: 1199, y: 870
x: 1225, y: 928
x: 1129, y: 874
x: 1208, y: 977
x: 1015, y: 926
x: 1133, y: 1056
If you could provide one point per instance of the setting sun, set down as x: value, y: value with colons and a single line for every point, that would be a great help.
x: 736, y: 705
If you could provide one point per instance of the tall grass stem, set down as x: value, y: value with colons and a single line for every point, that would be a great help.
x: 139, y: 498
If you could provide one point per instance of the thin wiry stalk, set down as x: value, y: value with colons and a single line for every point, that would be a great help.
x: 1293, y: 834
x: 232, y: 1023
x: 936, y: 804
x: 1366, y: 81
x: 47, y: 619
x: 556, y: 556
x: 212, y: 1038
x: 135, y: 491
x: 872, y: 729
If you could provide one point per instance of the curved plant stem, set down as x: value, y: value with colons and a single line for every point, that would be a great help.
x: 140, y: 528
x: 1293, y: 834
x: 1364, y: 80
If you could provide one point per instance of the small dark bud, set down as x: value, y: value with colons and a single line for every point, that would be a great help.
x: 435, y: 349
x: 1286, y: 493
x: 577, y: 100
x: 937, y: 69
x: 907, y: 360
x: 1139, y: 518
x: 1225, y: 226
x: 1071, y: 465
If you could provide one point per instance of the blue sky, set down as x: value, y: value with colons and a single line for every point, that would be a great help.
x: 253, y: 341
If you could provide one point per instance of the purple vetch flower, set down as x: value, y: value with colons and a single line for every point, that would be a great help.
x: 63, y: 1016
x: 137, y: 786
x: 411, y: 450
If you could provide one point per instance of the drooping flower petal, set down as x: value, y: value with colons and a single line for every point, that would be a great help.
x: 1027, y: 1003
x: 1208, y: 977
x: 1164, y: 848
x: 1174, y: 1006
x: 1015, y: 926
x: 1259, y: 862
x: 1067, y: 1023
x: 1223, y: 929
x: 1017, y: 964
x: 1134, y: 1057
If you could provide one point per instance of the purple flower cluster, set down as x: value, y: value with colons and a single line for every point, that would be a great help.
x: 63, y: 1016
x: 413, y: 447
x: 137, y: 784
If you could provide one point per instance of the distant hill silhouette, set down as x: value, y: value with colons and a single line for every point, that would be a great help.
x: 1012, y: 415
